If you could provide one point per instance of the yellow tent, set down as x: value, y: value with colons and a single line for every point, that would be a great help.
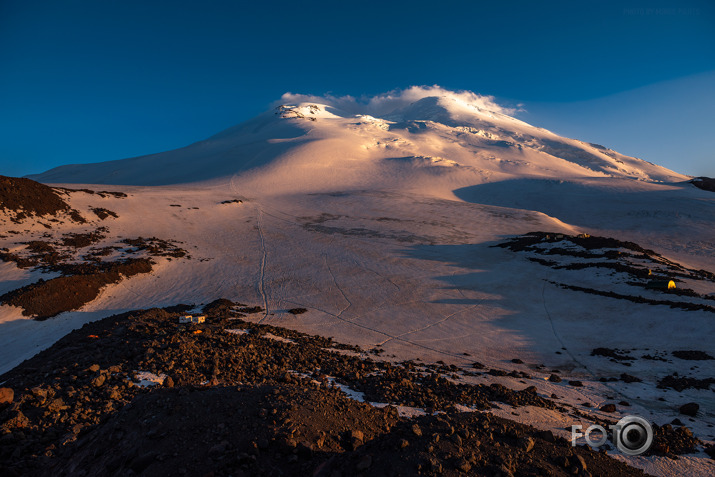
x: 661, y: 284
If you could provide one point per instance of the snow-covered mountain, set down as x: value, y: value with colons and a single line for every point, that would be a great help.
x: 381, y: 216
x: 441, y: 138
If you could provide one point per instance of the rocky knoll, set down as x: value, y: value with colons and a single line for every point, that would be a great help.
x: 141, y: 394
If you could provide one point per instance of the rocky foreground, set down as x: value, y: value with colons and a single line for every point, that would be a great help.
x: 141, y: 394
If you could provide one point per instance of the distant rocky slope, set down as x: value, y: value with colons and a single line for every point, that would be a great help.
x: 84, y: 260
x: 617, y: 269
x: 24, y: 198
x: 704, y: 183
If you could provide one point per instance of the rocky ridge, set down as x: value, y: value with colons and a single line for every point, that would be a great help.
x: 141, y: 393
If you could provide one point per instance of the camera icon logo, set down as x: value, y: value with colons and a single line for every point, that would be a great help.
x: 632, y: 435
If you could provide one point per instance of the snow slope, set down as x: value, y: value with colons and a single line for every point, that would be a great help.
x: 379, y: 217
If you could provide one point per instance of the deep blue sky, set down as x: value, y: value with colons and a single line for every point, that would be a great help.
x: 86, y: 81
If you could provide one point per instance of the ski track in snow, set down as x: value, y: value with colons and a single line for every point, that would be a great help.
x: 342, y: 293
x: 442, y: 320
x: 553, y: 328
x: 264, y: 257
x: 390, y: 337
x: 340, y: 317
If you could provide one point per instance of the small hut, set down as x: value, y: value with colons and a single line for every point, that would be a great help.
x: 192, y: 319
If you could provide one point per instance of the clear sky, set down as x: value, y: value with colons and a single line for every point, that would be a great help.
x: 89, y: 80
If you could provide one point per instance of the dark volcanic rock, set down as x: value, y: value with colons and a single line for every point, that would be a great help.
x: 627, y: 378
x: 692, y: 355
x: 490, y: 449
x: 237, y: 407
x: 219, y: 306
x: 6, y: 396
x: 704, y: 183
x: 47, y: 298
x: 611, y: 353
x: 710, y: 450
x: 680, y: 383
x: 669, y: 441
x: 79, y: 240
x: 22, y: 198
x: 689, y: 409
x: 103, y: 213
x: 204, y: 422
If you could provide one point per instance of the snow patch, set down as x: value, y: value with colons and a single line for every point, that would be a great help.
x: 273, y: 337
x: 402, y: 411
x: 148, y: 379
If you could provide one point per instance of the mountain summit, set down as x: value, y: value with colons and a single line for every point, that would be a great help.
x: 416, y: 138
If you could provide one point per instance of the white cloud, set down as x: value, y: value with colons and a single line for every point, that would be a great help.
x: 385, y: 103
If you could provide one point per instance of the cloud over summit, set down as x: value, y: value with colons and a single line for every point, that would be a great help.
x: 384, y: 104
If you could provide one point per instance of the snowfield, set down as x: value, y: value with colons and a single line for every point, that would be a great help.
x: 381, y: 219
